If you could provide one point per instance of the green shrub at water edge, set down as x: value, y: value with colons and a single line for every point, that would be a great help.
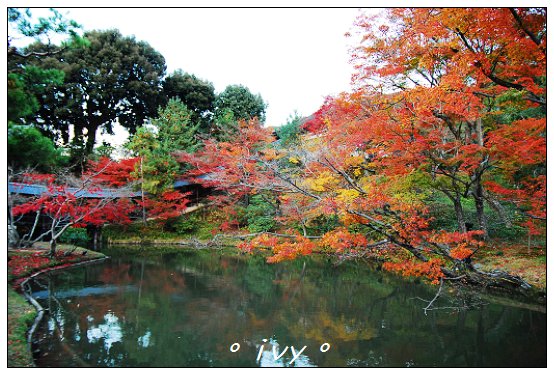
x: 75, y: 236
x: 186, y: 224
x: 259, y: 215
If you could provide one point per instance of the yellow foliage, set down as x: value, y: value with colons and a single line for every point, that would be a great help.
x: 323, y: 326
x: 325, y: 181
x: 370, y: 183
x: 347, y: 196
x: 353, y: 161
x: 409, y: 188
x: 294, y: 160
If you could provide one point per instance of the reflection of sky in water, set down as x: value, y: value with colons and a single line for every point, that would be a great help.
x: 144, y: 340
x: 110, y: 331
x: 272, y: 352
x: 77, y: 335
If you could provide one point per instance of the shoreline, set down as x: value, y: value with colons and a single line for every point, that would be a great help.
x: 23, y: 309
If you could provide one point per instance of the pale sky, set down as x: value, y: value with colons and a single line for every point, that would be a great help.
x: 292, y: 57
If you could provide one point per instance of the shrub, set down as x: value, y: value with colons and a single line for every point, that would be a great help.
x: 186, y: 224
x: 75, y: 236
x: 260, y: 215
x: 261, y: 224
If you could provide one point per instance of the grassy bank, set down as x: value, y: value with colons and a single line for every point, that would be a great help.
x: 20, y: 316
x: 21, y: 264
x: 515, y: 258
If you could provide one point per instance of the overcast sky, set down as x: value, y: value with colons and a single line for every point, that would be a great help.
x: 292, y: 57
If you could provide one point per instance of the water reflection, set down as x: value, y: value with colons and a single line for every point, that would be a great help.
x: 270, y: 354
x: 109, y: 331
x: 187, y: 309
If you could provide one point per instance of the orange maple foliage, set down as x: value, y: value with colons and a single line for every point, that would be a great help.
x: 432, y: 90
x: 340, y: 241
x: 430, y: 269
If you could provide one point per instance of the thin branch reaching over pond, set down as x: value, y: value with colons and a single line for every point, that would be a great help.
x: 426, y: 308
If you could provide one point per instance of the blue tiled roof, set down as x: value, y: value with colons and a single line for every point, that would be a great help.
x: 30, y: 189
x: 181, y: 183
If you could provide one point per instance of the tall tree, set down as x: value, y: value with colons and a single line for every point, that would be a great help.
x: 115, y: 78
x: 240, y: 103
x: 447, y: 74
x: 198, y: 95
x: 289, y: 133
x: 173, y: 130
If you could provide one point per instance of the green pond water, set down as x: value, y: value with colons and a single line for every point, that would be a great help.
x: 177, y: 308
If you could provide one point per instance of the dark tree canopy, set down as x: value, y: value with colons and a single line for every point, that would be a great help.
x: 198, y: 95
x: 25, y: 84
x: 115, y: 78
x: 239, y: 101
x: 28, y: 148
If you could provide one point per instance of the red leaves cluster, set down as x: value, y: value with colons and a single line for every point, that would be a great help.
x: 340, y: 241
x: 170, y: 204
x: 231, y: 166
x: 520, y: 143
x: 114, y: 173
x: 461, y: 245
x: 486, y: 44
x: 68, y: 205
x: 461, y: 252
x: 282, y: 249
x: 430, y: 269
x: 289, y: 250
x: 22, y: 265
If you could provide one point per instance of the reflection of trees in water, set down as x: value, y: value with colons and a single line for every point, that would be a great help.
x: 188, y: 312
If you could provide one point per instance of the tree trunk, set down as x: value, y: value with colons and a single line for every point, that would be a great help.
x: 77, y: 146
x: 96, y: 237
x: 478, y: 192
x: 304, y: 231
x: 53, y: 244
x: 13, y: 236
x: 456, y: 200
x: 480, y: 208
x: 32, y: 233
x: 91, y: 138
x: 499, y: 209
x: 460, y: 217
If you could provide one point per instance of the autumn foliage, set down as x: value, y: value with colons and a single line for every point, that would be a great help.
x: 106, y: 193
x: 446, y: 102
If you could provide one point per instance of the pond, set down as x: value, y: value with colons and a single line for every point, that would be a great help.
x: 179, y: 308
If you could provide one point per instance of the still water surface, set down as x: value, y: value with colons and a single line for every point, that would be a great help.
x: 187, y: 308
